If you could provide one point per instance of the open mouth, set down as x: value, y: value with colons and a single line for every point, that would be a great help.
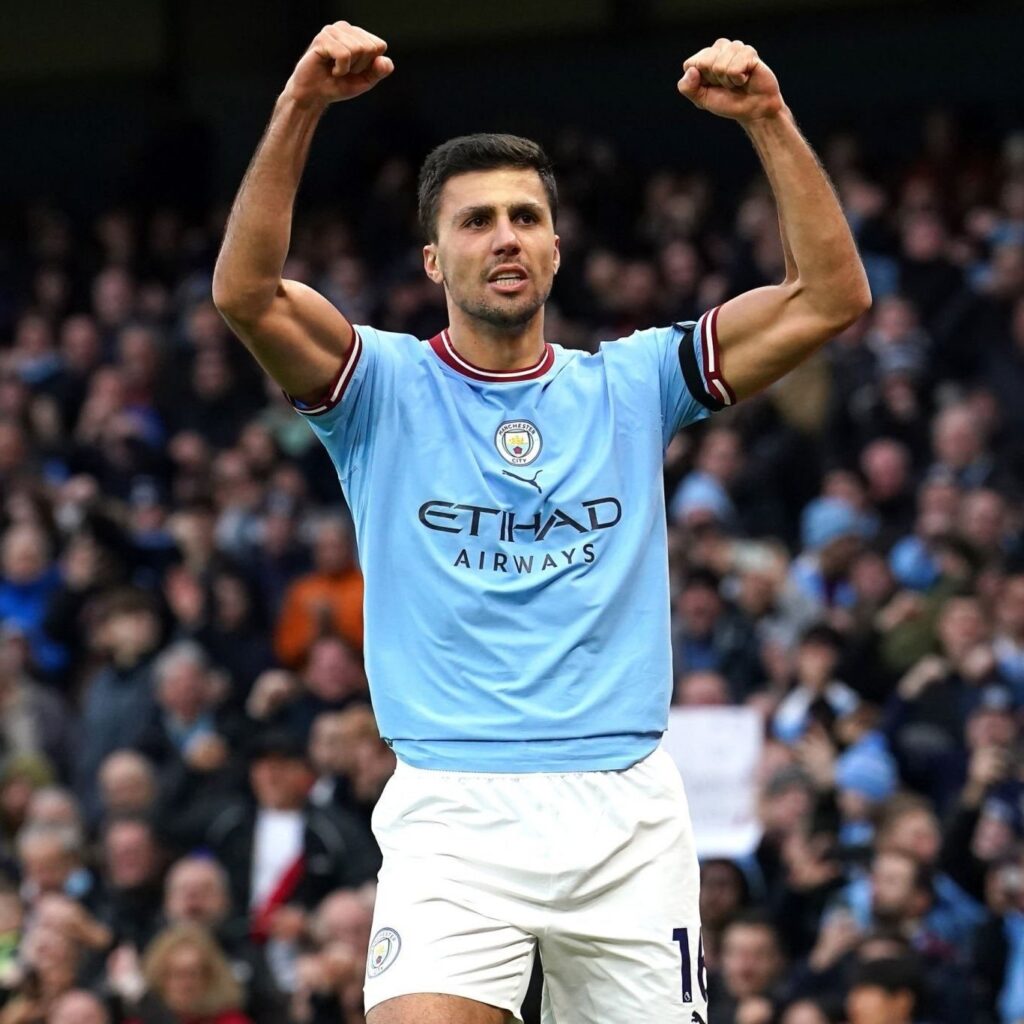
x: 508, y: 279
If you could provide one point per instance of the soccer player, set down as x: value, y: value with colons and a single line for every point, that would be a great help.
x: 508, y: 506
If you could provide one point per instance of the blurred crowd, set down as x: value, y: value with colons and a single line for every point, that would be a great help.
x: 188, y: 757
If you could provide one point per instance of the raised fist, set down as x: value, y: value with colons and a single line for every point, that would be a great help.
x: 729, y: 79
x: 342, y: 62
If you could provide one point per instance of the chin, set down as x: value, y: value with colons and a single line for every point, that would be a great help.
x: 510, y: 315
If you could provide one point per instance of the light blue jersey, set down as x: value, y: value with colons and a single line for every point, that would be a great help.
x: 511, y: 530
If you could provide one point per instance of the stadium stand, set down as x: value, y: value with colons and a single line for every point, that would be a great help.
x: 185, y: 717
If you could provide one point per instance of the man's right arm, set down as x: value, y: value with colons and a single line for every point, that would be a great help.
x: 297, y: 336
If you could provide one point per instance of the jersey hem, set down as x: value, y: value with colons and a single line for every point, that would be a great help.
x: 527, y: 757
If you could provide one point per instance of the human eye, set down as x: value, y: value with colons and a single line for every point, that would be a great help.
x: 476, y: 221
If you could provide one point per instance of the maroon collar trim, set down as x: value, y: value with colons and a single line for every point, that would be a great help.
x: 442, y: 345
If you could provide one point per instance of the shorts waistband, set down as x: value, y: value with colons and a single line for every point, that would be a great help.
x: 540, y: 761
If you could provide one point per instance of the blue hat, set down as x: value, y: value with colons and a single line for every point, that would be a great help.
x: 1003, y: 810
x: 827, y: 519
x: 701, y: 492
x: 868, y: 768
x: 913, y: 564
x: 993, y: 696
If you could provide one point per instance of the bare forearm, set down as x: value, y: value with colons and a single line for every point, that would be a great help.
x: 258, y: 231
x: 819, y: 244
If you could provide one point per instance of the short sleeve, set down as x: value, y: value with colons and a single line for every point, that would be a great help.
x: 344, y: 419
x: 689, y: 372
x: 697, y: 368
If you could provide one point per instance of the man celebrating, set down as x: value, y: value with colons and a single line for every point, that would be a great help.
x: 510, y: 517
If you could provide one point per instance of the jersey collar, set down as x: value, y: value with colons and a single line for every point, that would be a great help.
x: 442, y: 345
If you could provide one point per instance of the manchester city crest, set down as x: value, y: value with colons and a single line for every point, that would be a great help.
x: 384, y: 947
x: 518, y: 442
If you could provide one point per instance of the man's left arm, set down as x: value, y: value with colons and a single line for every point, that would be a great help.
x: 764, y: 333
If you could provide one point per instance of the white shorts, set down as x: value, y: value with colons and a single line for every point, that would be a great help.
x: 596, y: 869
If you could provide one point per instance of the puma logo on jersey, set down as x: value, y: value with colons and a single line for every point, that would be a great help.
x: 522, y: 479
x: 696, y: 1018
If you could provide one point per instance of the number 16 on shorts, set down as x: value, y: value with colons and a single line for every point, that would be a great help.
x: 682, y: 936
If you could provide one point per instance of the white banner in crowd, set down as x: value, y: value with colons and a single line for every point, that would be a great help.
x: 717, y: 751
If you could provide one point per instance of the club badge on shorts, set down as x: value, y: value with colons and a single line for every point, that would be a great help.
x: 518, y: 442
x: 384, y: 947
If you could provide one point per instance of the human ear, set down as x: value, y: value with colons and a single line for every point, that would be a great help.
x: 431, y: 265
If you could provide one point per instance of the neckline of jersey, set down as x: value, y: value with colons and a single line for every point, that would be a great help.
x: 445, y: 351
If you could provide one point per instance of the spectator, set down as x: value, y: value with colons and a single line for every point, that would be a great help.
x: 33, y: 718
x: 706, y: 488
x: 960, y: 448
x: 333, y: 750
x: 277, y: 556
x: 327, y: 600
x: 51, y: 963
x: 280, y: 852
x: 908, y: 828
x: 133, y: 863
x: 985, y: 524
x: 724, y: 894
x: 746, y: 991
x: 816, y: 694
x: 712, y: 636
x: 54, y: 806
x: 234, y: 633
x: 1008, y: 645
x: 28, y: 579
x: 925, y: 721
x: 52, y: 861
x: 832, y: 533
x: 183, y: 976
x: 196, y: 892
x: 12, y: 922
x: 20, y: 776
x: 806, y: 1011
x: 127, y: 784
x: 887, y: 468
x: 702, y: 689
x: 330, y: 980
x: 190, y: 734
x: 78, y: 1006
x: 118, y: 700
x: 331, y: 680
x: 866, y: 776
x: 98, y: 557
x: 884, y: 992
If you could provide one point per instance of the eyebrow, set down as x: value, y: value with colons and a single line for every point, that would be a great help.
x: 485, y: 210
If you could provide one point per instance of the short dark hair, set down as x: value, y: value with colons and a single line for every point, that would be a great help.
x: 702, y: 579
x: 482, y: 152
x: 757, y: 917
x: 891, y: 974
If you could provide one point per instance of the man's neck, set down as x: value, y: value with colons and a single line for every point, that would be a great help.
x: 494, y: 348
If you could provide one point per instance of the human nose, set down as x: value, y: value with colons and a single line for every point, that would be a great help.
x: 506, y: 240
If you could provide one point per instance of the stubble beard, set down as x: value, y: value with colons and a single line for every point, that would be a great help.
x: 504, y: 316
